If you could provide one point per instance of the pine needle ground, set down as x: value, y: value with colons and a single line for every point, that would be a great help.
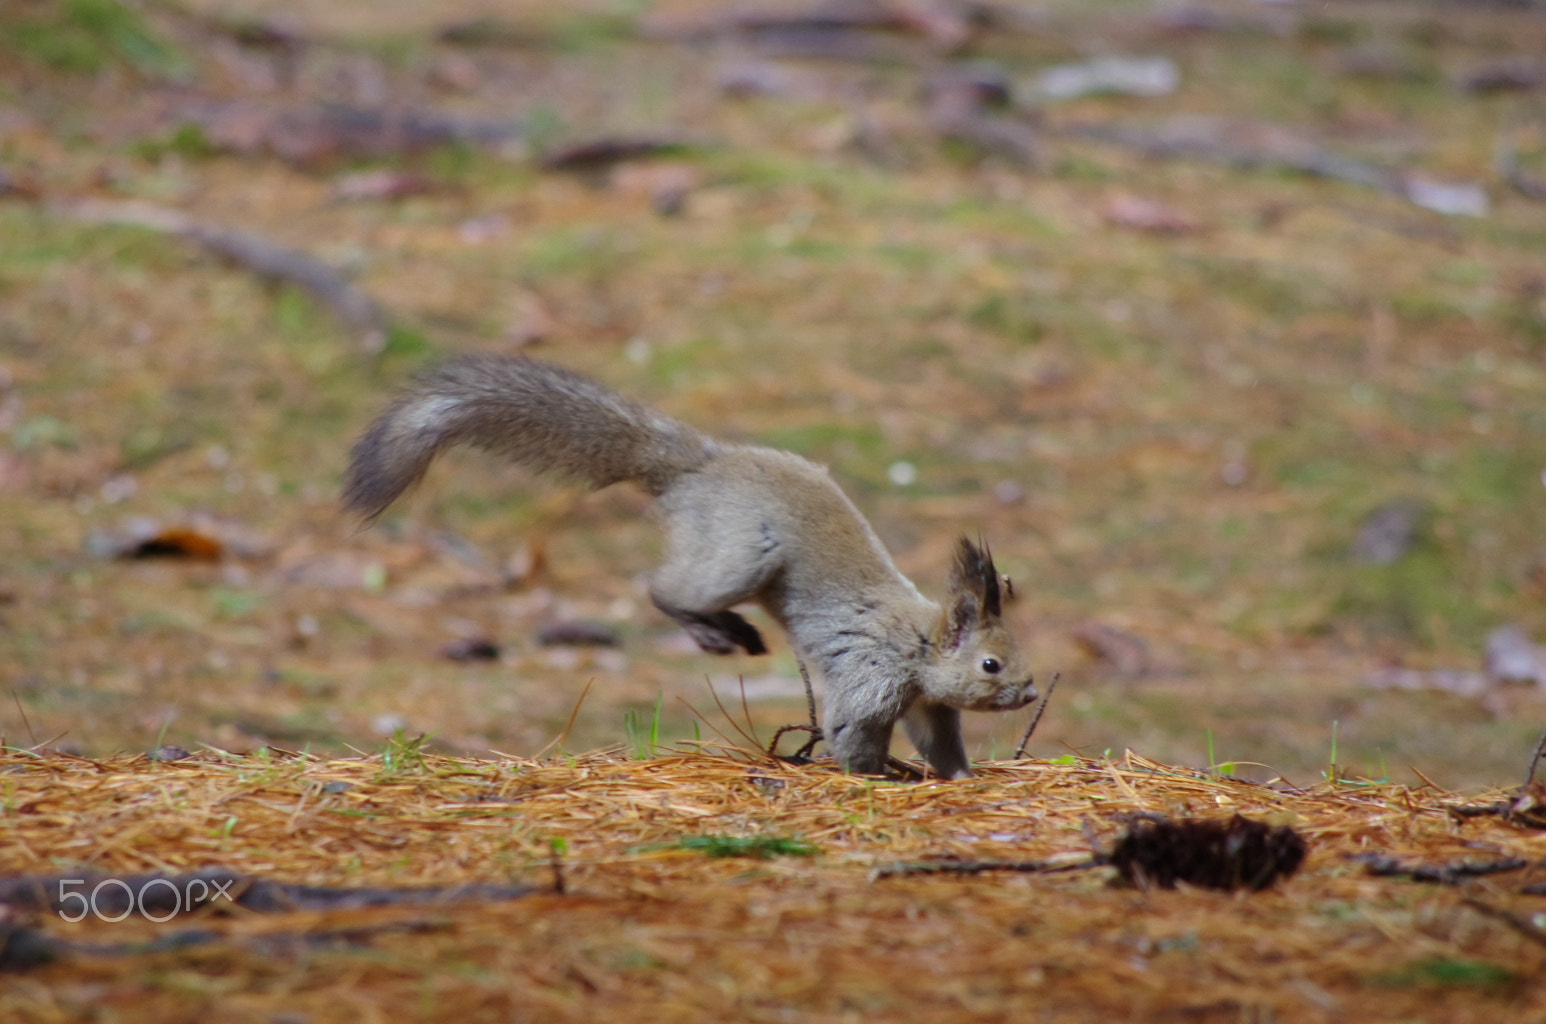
x: 650, y: 924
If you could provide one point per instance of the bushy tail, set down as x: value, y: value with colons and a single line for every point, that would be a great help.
x: 543, y: 416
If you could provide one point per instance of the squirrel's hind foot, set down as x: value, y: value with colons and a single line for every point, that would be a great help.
x: 721, y: 632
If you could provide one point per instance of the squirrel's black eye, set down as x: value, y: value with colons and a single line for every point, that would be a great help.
x: 991, y: 666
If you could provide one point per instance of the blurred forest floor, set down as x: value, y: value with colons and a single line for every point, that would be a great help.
x: 1224, y: 323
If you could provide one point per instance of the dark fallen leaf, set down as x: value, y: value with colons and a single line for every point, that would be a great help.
x: 23, y: 948
x: 146, y: 538
x: 598, y: 154
x: 278, y: 33
x: 1509, y: 75
x: 578, y: 633
x: 471, y: 648
x: 489, y: 31
x: 1231, y: 854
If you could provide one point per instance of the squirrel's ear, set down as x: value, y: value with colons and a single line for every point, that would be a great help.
x: 973, y: 573
x: 962, y: 615
x: 974, y: 595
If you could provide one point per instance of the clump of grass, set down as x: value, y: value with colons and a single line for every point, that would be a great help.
x: 644, y: 737
x: 1451, y: 972
x: 403, y: 753
x: 87, y: 36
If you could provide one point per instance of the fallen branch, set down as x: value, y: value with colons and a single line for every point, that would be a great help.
x: 908, y: 868
x: 1453, y: 873
x: 1201, y: 139
x: 267, y: 259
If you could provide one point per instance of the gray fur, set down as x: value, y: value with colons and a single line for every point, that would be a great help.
x: 540, y: 415
x: 742, y: 524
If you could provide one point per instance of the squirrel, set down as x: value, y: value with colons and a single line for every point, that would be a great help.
x: 742, y: 524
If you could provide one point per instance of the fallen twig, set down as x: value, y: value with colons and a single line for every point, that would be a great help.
x: 1272, y: 147
x: 599, y: 154
x: 1535, y: 761
x: 905, y: 869
x: 1036, y: 719
x: 253, y: 252
x: 1525, y: 926
x: 1453, y: 873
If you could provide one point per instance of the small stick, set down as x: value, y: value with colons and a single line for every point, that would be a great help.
x: 905, y: 869
x: 559, y: 888
x: 1524, y: 926
x: 1036, y: 720
x: 752, y: 740
x: 1453, y: 873
x: 810, y: 700
x: 1535, y: 762
x: 796, y: 727
x: 34, y: 737
x: 728, y: 742
x: 558, y: 741
x: 746, y: 711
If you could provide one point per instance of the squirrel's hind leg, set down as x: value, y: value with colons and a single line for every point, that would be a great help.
x: 717, y: 632
x: 710, y: 567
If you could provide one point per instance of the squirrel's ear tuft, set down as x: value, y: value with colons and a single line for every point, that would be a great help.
x: 973, y: 573
x: 975, y: 598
